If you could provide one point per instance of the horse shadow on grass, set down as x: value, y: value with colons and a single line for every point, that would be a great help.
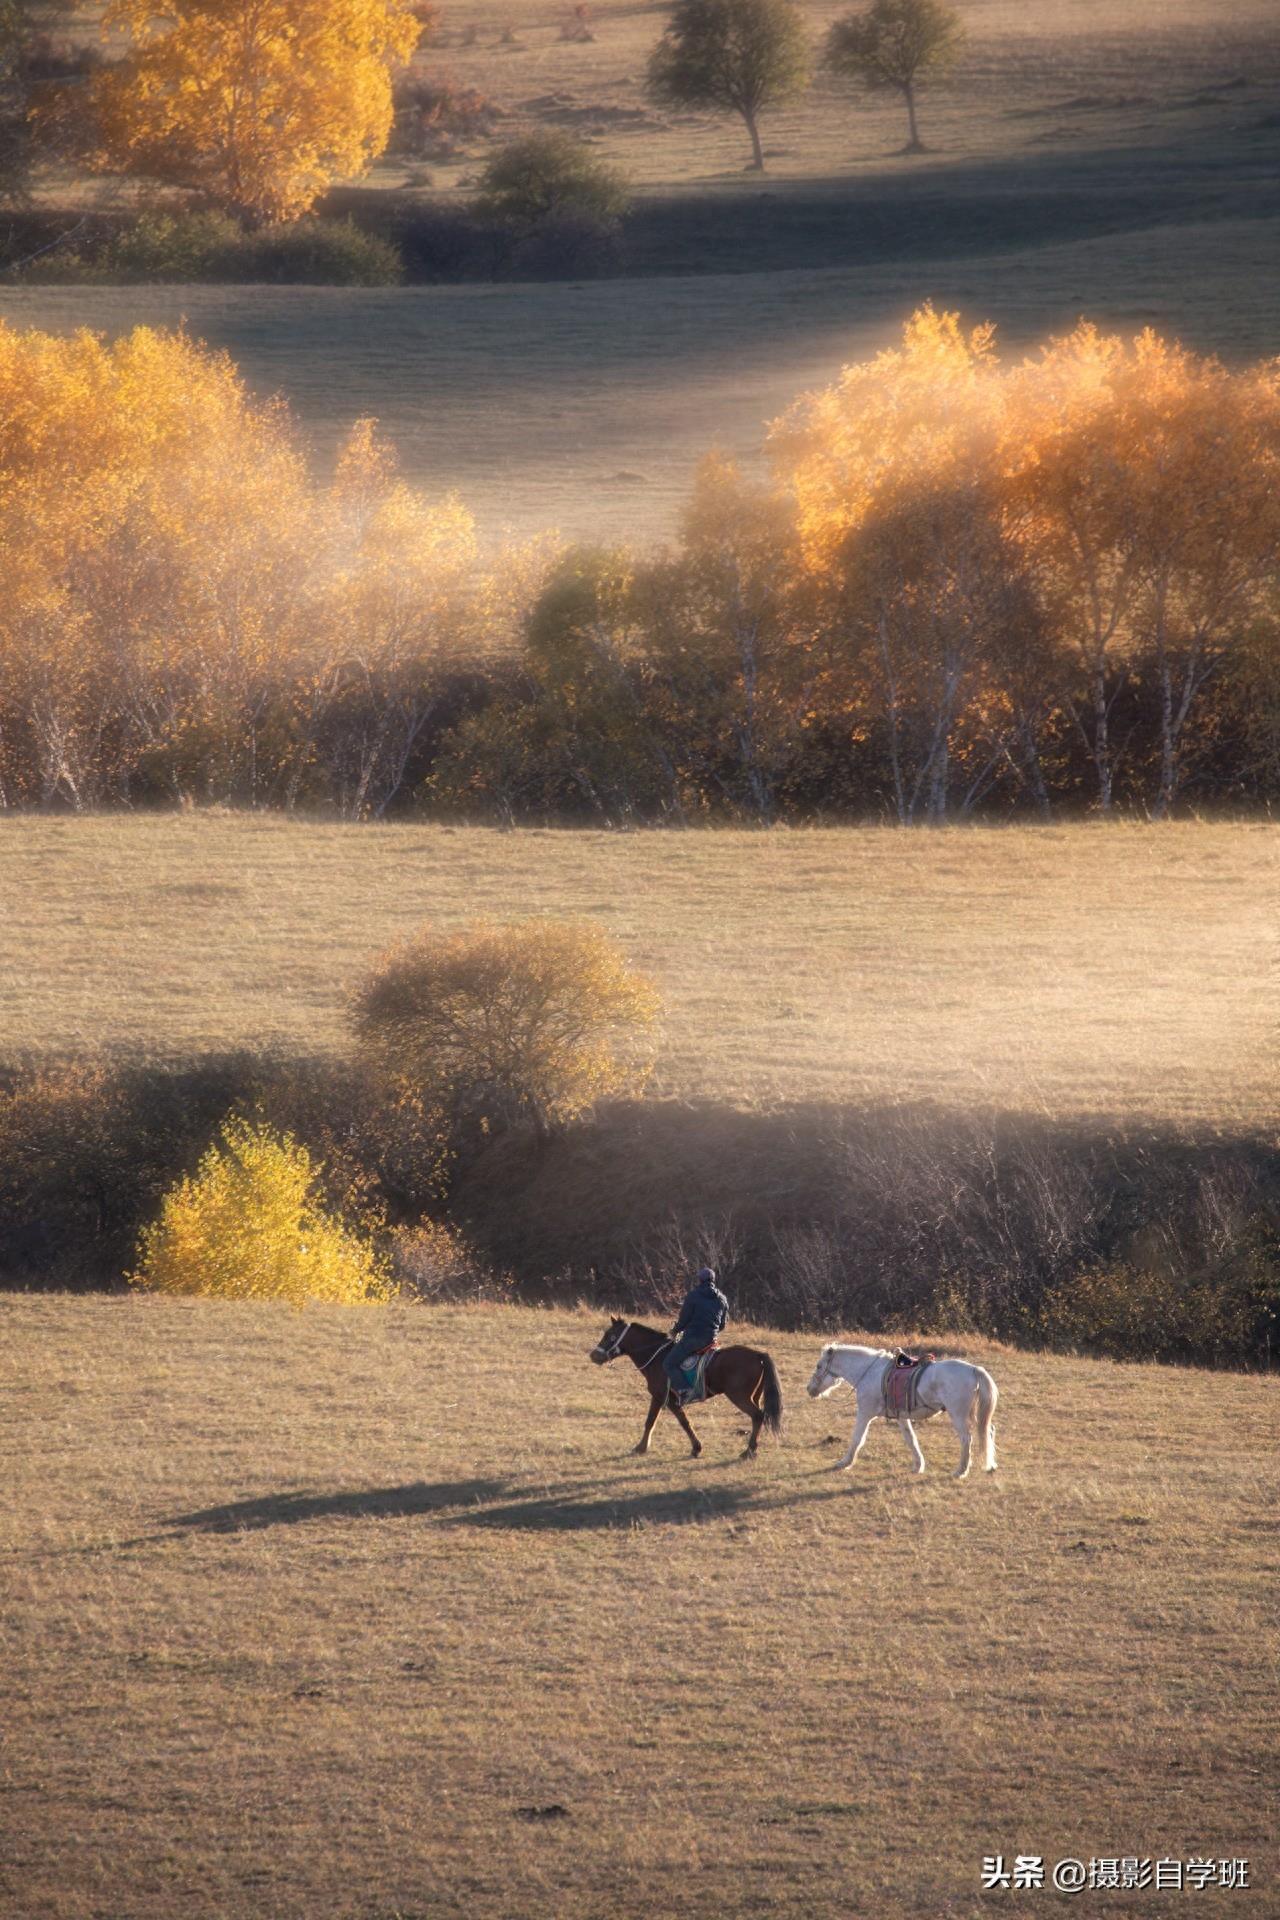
x: 576, y: 1506
x: 357, y: 1503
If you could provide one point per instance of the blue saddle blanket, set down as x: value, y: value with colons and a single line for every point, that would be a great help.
x: 693, y: 1375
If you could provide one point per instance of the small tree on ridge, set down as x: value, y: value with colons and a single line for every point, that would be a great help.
x: 733, y: 56
x: 893, y: 45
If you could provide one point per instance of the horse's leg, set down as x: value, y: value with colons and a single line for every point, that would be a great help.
x: 745, y: 1403
x: 683, y: 1418
x: 655, y: 1408
x: 856, y: 1440
x: 962, y: 1421
x: 913, y: 1445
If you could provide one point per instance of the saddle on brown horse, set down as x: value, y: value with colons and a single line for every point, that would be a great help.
x: 694, y: 1371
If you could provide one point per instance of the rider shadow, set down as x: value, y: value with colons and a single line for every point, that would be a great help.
x: 664, y: 1507
x: 365, y: 1503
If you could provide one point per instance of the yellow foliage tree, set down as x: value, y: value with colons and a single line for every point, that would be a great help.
x: 257, y: 104
x: 1143, y: 482
x: 894, y: 476
x: 249, y: 1226
x: 399, y: 601
x: 1106, y: 509
x: 152, y: 523
x: 532, y: 1020
x: 186, y: 613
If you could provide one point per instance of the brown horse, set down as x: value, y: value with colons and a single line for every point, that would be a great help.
x: 747, y: 1377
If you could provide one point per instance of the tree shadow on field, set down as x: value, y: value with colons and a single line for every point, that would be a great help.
x: 362, y: 1503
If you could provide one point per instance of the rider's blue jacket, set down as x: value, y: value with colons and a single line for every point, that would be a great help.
x: 703, y: 1314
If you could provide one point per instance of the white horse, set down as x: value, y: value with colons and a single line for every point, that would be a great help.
x: 946, y: 1386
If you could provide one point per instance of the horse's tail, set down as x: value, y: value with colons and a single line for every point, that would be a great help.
x: 986, y: 1397
x: 772, y: 1396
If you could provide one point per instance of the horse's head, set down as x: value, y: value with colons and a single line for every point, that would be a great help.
x: 609, y: 1345
x: 825, y: 1376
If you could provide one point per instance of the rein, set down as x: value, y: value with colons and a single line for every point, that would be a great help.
x: 863, y: 1371
x: 615, y: 1352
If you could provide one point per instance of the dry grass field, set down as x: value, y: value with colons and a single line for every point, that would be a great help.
x: 1077, y: 970
x: 1037, y: 73
x: 1062, y: 73
x: 372, y: 1614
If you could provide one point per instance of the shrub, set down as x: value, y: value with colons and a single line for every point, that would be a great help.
x: 330, y: 253
x: 532, y: 1021
x: 566, y: 246
x: 550, y: 175
x: 171, y: 246
x: 87, y: 1152
x: 433, y: 114
x: 434, y: 1262
x: 249, y: 1226
x: 1133, y: 1313
x: 186, y: 246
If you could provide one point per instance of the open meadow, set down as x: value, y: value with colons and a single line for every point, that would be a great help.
x: 371, y: 1614
x: 1124, y: 971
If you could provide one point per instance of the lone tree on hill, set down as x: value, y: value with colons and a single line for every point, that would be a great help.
x: 255, y: 104
x: 893, y: 45
x: 733, y: 56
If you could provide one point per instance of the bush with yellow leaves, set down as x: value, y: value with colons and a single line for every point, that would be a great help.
x: 528, y: 1021
x: 249, y: 1225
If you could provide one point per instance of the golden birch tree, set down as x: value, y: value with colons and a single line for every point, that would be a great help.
x: 254, y: 104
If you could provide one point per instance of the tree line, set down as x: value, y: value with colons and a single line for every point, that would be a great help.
x: 964, y: 585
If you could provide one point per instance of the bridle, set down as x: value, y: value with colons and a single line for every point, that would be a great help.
x: 864, y: 1370
x: 615, y: 1351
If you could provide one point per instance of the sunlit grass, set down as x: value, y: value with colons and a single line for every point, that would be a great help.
x: 311, y: 1614
x: 1077, y: 969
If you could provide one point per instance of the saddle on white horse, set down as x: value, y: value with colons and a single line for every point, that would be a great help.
x: 902, y: 1388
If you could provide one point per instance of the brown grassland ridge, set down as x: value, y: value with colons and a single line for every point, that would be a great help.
x: 371, y: 1614
x: 1124, y: 971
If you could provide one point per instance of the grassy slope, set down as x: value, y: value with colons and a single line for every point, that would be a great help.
x: 1085, y: 155
x: 1062, y: 74
x: 1064, y: 971
x: 302, y: 1611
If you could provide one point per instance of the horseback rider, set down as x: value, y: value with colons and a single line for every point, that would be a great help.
x: 702, y: 1319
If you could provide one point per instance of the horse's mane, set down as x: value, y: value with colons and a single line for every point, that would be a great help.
x: 638, y: 1326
